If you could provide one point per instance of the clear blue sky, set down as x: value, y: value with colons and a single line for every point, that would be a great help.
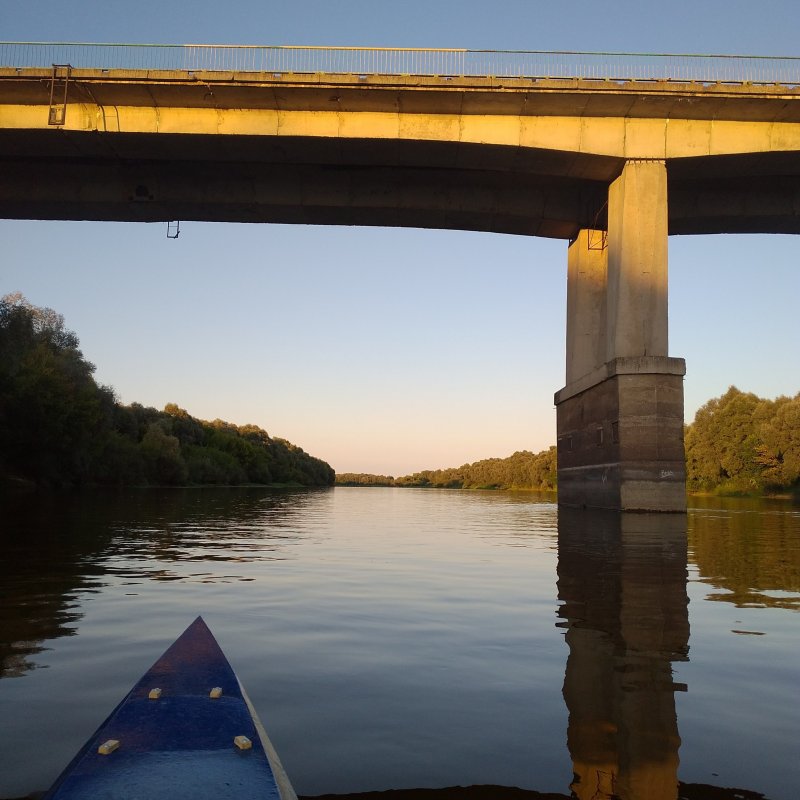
x: 390, y: 350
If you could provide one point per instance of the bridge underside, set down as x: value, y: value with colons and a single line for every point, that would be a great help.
x: 80, y: 175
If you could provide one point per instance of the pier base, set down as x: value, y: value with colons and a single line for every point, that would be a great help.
x: 620, y: 437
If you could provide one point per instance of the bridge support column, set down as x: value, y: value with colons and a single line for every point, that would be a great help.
x: 620, y: 415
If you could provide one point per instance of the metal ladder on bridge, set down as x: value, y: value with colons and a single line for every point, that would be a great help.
x: 59, y: 84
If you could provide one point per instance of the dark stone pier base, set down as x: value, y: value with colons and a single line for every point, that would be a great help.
x: 620, y: 437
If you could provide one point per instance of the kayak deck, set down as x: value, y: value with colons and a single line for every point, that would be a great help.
x: 180, y: 741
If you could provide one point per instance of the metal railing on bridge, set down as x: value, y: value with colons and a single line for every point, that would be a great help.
x: 406, y: 61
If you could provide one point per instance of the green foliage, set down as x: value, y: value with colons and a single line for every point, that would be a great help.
x: 741, y: 443
x: 523, y: 470
x: 59, y: 428
x: 162, y: 455
x: 120, y: 462
x: 778, y: 451
x: 209, y: 465
x: 52, y: 413
x: 363, y: 479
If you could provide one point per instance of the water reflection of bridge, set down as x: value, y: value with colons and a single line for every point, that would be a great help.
x: 609, y: 152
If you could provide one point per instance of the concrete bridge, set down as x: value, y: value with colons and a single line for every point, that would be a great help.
x: 610, y: 153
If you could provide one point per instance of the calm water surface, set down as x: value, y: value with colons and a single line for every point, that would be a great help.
x: 401, y: 638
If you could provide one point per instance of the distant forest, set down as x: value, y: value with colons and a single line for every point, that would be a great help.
x: 738, y: 444
x: 523, y: 470
x: 60, y: 428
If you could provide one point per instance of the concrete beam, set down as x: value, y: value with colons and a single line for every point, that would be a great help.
x: 220, y: 189
x: 552, y: 97
x: 613, y: 137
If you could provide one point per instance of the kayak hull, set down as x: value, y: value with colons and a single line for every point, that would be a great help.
x: 174, y: 740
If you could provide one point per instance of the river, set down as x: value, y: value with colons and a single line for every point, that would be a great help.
x: 421, y: 639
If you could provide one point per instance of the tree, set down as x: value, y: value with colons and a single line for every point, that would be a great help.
x: 162, y: 454
x: 779, y: 449
x: 53, y: 416
x: 742, y: 443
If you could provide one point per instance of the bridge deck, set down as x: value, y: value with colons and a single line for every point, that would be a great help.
x: 420, y: 93
x: 530, y: 156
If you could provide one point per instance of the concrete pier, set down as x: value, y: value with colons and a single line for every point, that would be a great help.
x: 620, y: 415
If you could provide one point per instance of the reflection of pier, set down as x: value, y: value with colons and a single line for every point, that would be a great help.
x: 622, y: 585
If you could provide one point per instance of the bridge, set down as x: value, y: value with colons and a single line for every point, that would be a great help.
x: 610, y: 152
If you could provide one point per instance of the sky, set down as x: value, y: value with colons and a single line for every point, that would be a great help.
x: 390, y: 350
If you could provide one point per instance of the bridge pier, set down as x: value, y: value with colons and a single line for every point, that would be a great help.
x: 620, y: 415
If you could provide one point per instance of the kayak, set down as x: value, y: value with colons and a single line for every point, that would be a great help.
x: 186, y: 730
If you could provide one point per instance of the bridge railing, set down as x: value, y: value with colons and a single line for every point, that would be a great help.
x: 406, y: 61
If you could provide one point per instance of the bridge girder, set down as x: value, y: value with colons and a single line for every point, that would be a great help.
x: 63, y: 174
